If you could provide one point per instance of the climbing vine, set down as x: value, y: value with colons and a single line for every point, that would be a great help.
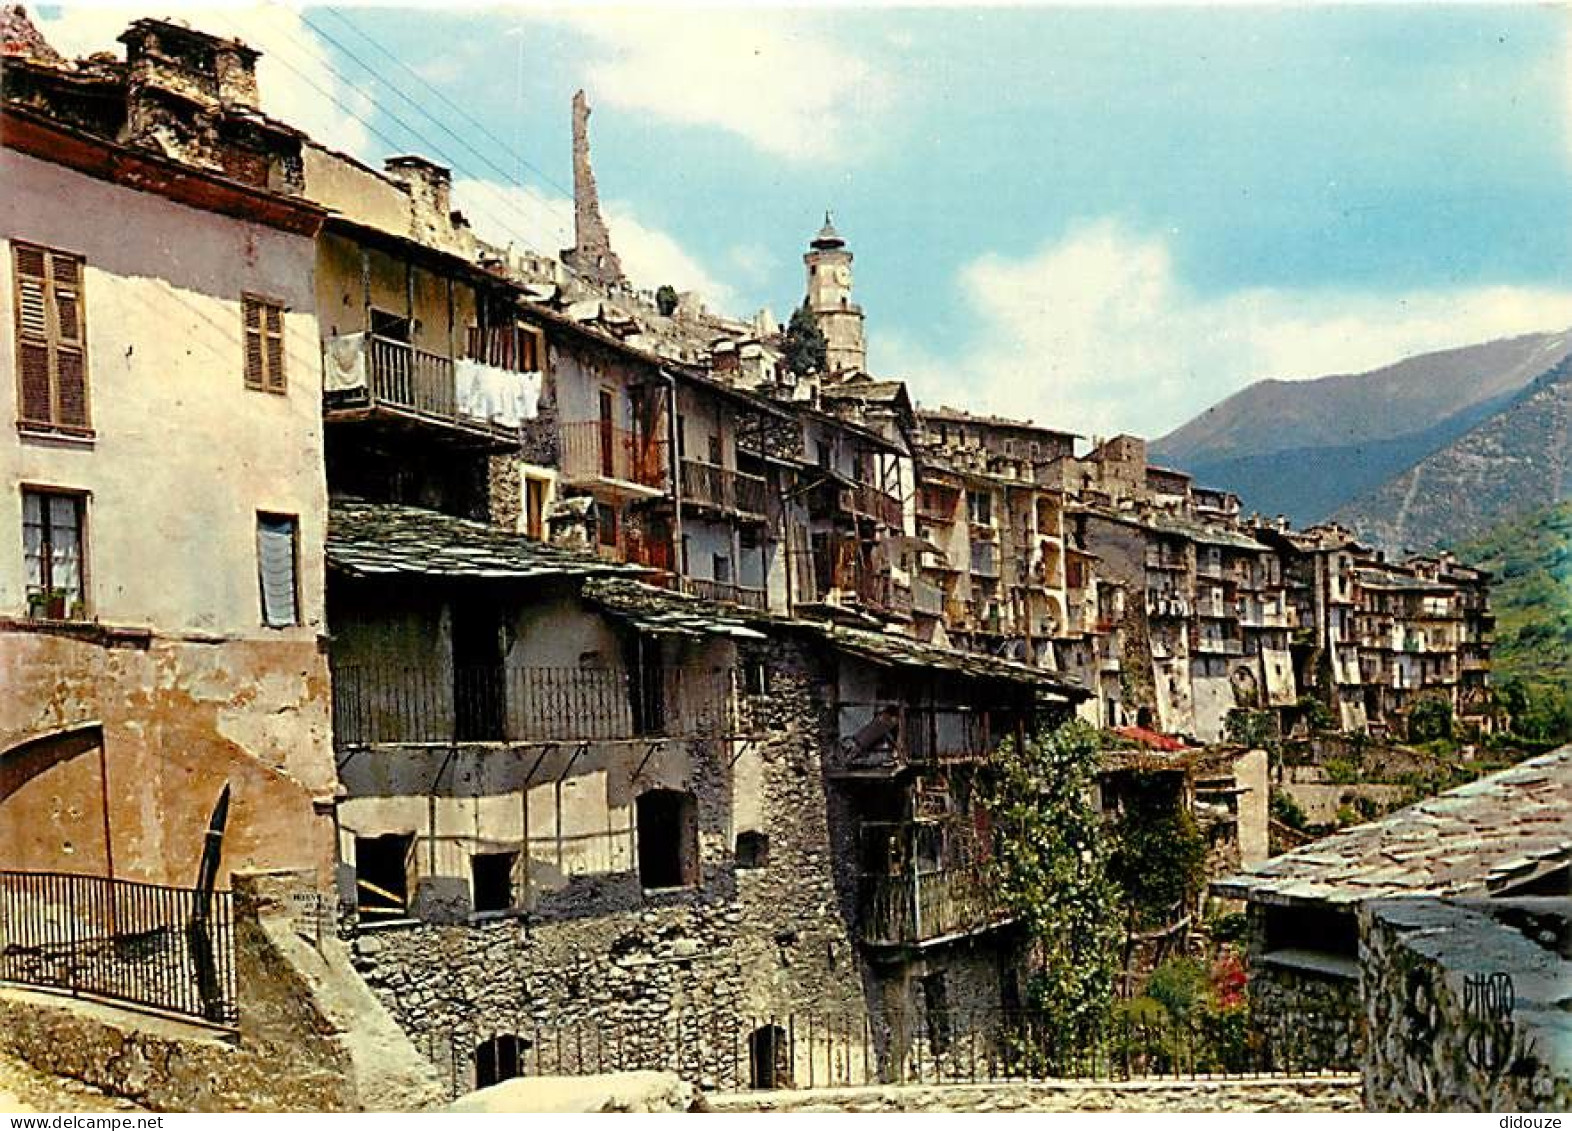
x: 1050, y: 869
x: 1158, y: 856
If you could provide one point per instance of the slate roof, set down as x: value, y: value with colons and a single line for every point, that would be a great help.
x: 387, y: 539
x: 1493, y: 833
x: 661, y: 610
x: 1205, y: 535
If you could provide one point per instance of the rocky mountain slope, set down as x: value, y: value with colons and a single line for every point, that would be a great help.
x: 1308, y: 448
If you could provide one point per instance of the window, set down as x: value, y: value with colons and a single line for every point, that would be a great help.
x: 53, y: 547
x: 753, y: 849
x: 51, y: 339
x: 606, y: 524
x: 277, y: 555
x: 382, y: 875
x: 491, y: 874
x: 264, y: 333
x: 755, y: 678
x: 668, y: 839
x: 715, y: 450
x: 980, y: 504
x: 721, y: 568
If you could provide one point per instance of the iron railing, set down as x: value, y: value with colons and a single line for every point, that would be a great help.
x: 164, y: 948
x: 597, y: 451
x: 729, y: 1051
x: 735, y: 492
x: 385, y: 703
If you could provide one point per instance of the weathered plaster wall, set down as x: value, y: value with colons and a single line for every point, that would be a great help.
x: 188, y: 687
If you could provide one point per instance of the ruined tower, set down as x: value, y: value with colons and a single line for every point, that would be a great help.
x: 591, y: 255
x: 829, y: 299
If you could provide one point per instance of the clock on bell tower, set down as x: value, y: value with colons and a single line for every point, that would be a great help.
x: 829, y: 266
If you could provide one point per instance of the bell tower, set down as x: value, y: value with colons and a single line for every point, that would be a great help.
x: 829, y: 266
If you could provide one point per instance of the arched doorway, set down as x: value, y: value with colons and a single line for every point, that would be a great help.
x: 769, y: 1058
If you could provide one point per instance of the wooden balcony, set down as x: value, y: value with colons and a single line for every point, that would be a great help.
x: 879, y: 505
x: 927, y: 599
x: 597, y: 453
x: 881, y: 740
x: 727, y: 593
x: 723, y: 489
x: 411, y: 387
x: 924, y: 907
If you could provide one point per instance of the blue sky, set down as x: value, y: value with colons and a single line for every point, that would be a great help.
x: 1103, y: 218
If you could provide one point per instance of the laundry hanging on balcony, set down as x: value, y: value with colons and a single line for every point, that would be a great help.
x: 499, y: 396
x: 344, y: 364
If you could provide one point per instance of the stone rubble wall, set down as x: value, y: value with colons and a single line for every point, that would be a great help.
x: 1330, y: 1093
x: 1426, y: 1049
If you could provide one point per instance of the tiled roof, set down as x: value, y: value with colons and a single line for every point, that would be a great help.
x: 1496, y: 832
x: 386, y: 539
x: 661, y: 610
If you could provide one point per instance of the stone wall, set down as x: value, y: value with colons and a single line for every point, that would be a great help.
x: 1331, y: 1093
x: 677, y: 978
x: 1440, y: 1034
x: 1304, y: 1010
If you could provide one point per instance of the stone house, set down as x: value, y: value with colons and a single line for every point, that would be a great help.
x: 162, y: 594
x: 1504, y: 836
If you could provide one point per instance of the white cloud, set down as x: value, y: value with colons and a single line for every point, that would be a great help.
x: 774, y: 78
x: 544, y: 222
x: 1097, y: 333
x: 295, y: 74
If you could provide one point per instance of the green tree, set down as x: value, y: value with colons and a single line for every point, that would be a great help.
x: 804, y: 347
x: 1430, y: 719
x: 666, y: 299
x: 1050, y: 869
x: 1158, y: 856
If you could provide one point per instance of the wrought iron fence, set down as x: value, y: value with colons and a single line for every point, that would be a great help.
x: 374, y: 703
x: 726, y: 1052
x: 166, y: 948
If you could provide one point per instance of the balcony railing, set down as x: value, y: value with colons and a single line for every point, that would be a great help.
x: 927, y: 598
x: 912, y: 909
x: 596, y: 451
x: 417, y: 382
x: 736, y: 492
x: 726, y: 592
x: 888, y: 737
x: 870, y: 500
x: 985, y: 559
x: 375, y: 703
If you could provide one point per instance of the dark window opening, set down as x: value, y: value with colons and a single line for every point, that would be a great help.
x: 668, y: 839
x: 479, y: 680
x: 491, y: 873
x: 769, y: 1058
x: 715, y: 450
x: 1312, y: 928
x: 606, y: 524
x: 499, y: 1058
x: 393, y: 327
x: 721, y: 568
x: 755, y: 678
x: 753, y: 849
x: 936, y: 1011
x: 382, y: 875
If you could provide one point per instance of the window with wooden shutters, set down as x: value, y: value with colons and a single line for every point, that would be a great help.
x: 264, y: 331
x: 51, y: 339
x: 276, y: 558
